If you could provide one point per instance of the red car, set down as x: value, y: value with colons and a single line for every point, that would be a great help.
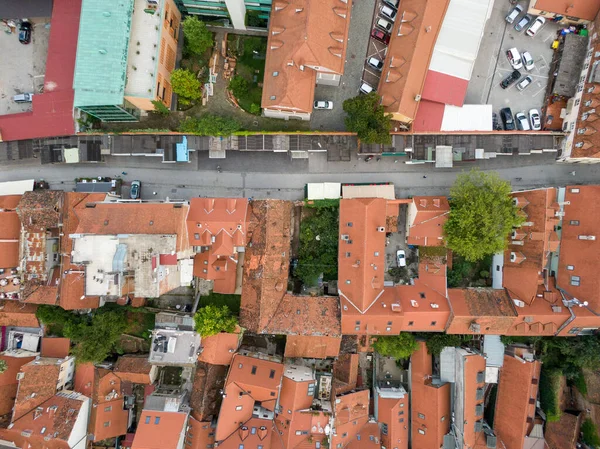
x: 380, y: 36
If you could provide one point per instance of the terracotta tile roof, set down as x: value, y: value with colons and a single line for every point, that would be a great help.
x: 159, y: 430
x: 108, y: 404
x: 266, y: 263
x: 412, y: 40
x: 221, y: 270
x: 307, y: 316
x: 480, y: 311
x: 209, y: 381
x: 34, y: 293
x: 263, y: 436
x: 10, y: 231
x: 395, y: 413
x: 9, y: 202
x: 427, y: 216
x: 345, y: 373
x: 249, y: 380
x: 515, y: 401
x: 55, y: 347
x: 40, y: 209
x: 583, y: 255
x: 531, y: 243
x: 351, y: 413
x: 312, y: 347
x: 361, y: 254
x: 565, y: 432
x: 9, y: 383
x: 84, y: 381
x: 13, y: 313
x: 473, y: 364
x: 218, y: 222
x: 369, y: 437
x: 200, y: 434
x: 587, y: 10
x: 431, y: 400
x: 72, y: 288
x: 134, y: 369
x: 39, y: 379
x: 305, y: 36
x: 219, y: 349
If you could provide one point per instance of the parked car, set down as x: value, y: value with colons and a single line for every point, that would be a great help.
x: 527, y: 60
x: 388, y: 12
x: 385, y: 25
x: 380, y: 36
x: 366, y: 88
x: 134, y: 191
x: 535, y: 119
x: 507, y: 119
x: 522, y: 122
x: 323, y: 104
x: 514, y: 57
x: 401, y: 258
x: 23, y: 98
x: 524, y: 82
x: 514, y: 76
x: 392, y: 3
x: 375, y: 63
x: 525, y: 20
x: 514, y: 13
x: 25, y: 32
x: 536, y: 26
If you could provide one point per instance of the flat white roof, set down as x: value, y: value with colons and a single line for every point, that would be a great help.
x: 469, y: 117
x: 385, y: 191
x: 459, y: 38
x: 16, y: 187
x: 323, y: 190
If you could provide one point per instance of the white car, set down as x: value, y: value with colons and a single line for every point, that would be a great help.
x: 514, y: 58
x: 524, y: 82
x: 323, y: 104
x: 385, y: 25
x: 375, y: 63
x: 388, y: 12
x: 401, y: 258
x: 527, y: 60
x: 522, y: 122
x: 514, y: 13
x: 537, y: 24
x: 535, y: 119
x: 366, y: 88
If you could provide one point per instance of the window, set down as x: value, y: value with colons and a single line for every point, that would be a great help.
x: 389, y: 323
x: 348, y: 254
x: 108, y: 409
x: 273, y: 97
x: 275, y: 73
x: 241, y: 446
x: 410, y: 323
x: 349, y: 224
x: 402, y: 404
x: 238, y: 408
x: 422, y: 432
x: 575, y: 280
x: 272, y: 374
x: 253, y: 369
x: 433, y: 323
x: 443, y: 419
x: 107, y: 424
x: 240, y: 366
x: 577, y: 102
x: 422, y: 295
x: 147, y: 420
x: 157, y: 420
x: 376, y: 253
x: 347, y: 281
x: 43, y: 431
x: 421, y: 415
x: 196, y: 236
x: 570, y: 267
x: 384, y: 429
x: 401, y: 412
x: 574, y: 222
x: 401, y: 419
x: 344, y: 435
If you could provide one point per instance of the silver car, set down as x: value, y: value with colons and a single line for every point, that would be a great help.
x: 514, y: 13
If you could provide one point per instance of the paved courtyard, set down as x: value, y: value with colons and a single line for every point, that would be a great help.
x: 492, y: 66
x: 358, y: 40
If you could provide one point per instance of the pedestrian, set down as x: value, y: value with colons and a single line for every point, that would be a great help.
x: 124, y: 173
x: 153, y: 193
x: 573, y: 173
x: 424, y: 176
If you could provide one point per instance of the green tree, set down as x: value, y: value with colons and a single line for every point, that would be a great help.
x: 198, y: 38
x: 549, y: 393
x: 3, y: 366
x: 482, y: 214
x: 160, y: 108
x: 238, y: 86
x: 254, y: 109
x: 185, y: 85
x: 436, y: 342
x: 367, y: 119
x: 398, y: 346
x: 209, y: 125
x: 211, y: 320
x: 590, y: 433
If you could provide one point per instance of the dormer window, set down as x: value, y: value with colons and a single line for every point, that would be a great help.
x: 513, y: 257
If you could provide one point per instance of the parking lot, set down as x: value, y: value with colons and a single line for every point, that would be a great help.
x: 492, y: 65
x: 375, y: 49
x: 24, y: 66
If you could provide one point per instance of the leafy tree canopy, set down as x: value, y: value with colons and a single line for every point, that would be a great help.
x: 482, y: 215
x: 211, y: 320
x: 198, y: 38
x: 210, y: 125
x: 398, y: 346
x: 367, y: 118
x: 436, y: 342
x: 185, y: 84
x: 3, y: 366
x: 238, y: 86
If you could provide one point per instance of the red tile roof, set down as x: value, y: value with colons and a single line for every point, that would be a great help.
x: 427, y: 216
x: 162, y: 430
x: 587, y: 10
x: 39, y: 379
x: 312, y: 347
x: 221, y: 270
x: 13, y: 313
x: 55, y: 347
x: 516, y: 401
x: 10, y: 231
x: 200, y: 433
x: 52, y: 113
x: 445, y: 89
x: 219, y: 349
x: 395, y: 413
x: 351, y: 413
x: 430, y: 116
x: 134, y: 369
x: 345, y: 373
x: 9, y: 383
x: 218, y: 222
x: 473, y: 364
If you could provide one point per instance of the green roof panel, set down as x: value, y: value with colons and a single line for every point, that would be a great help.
x: 101, y: 64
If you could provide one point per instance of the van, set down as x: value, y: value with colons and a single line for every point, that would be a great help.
x: 366, y: 88
x: 384, y: 25
x: 23, y: 98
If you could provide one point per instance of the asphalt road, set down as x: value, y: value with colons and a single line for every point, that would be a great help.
x: 275, y: 176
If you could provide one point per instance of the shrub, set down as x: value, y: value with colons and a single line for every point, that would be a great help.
x: 254, y: 109
x: 590, y: 433
x: 238, y: 86
x: 185, y: 85
x: 398, y: 346
x: 211, y: 320
x: 436, y: 342
x: 549, y: 391
x: 160, y: 108
x: 210, y: 125
x: 3, y: 366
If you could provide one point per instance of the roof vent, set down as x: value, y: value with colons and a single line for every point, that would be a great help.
x: 414, y: 303
x: 418, y: 98
x: 556, y: 309
x: 380, y: 229
x: 586, y: 237
x: 434, y: 305
x: 519, y: 303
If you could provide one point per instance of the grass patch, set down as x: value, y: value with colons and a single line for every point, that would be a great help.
x: 469, y: 274
x: 216, y: 299
x: 549, y: 394
x: 250, y: 52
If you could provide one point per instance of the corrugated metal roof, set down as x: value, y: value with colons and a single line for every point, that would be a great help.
x: 101, y: 65
x: 493, y: 349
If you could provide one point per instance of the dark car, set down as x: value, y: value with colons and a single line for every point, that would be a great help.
x: 134, y: 192
x: 507, y: 118
x: 514, y: 76
x: 25, y: 32
x: 380, y: 36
